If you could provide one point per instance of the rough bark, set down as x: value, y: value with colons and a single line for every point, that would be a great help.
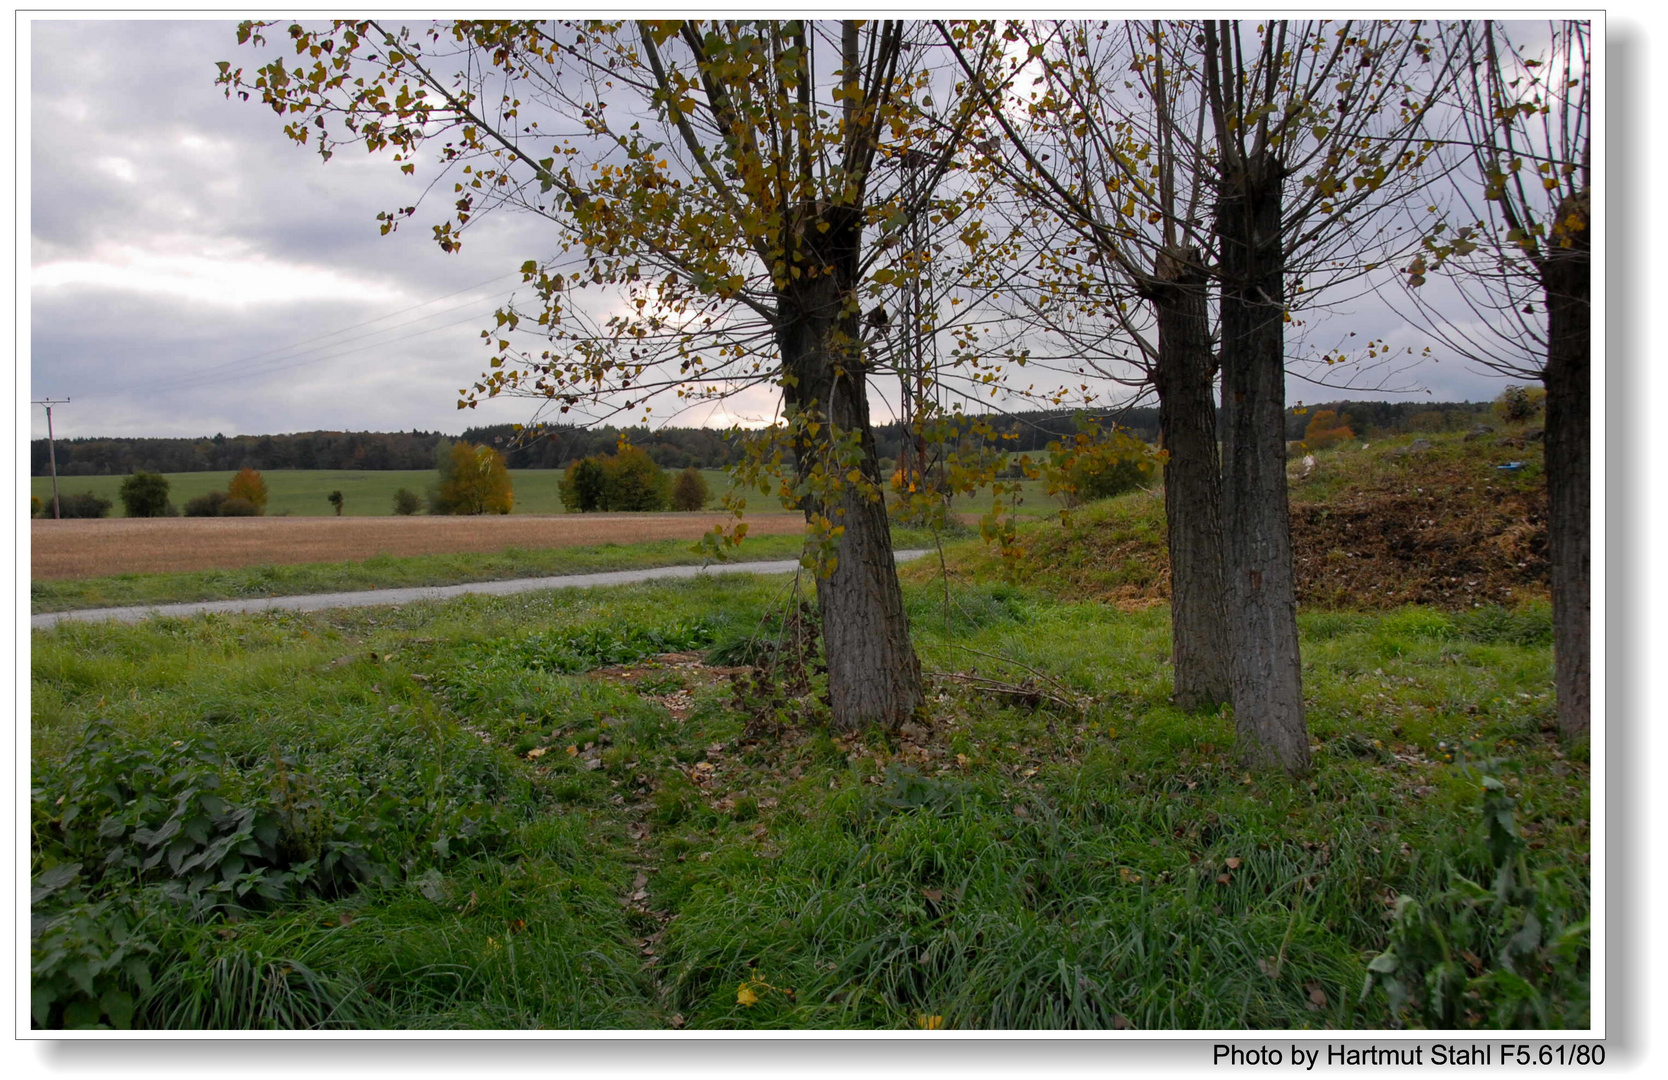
x: 1183, y: 375
x: 1566, y: 275
x: 1257, y: 549
x: 874, y: 676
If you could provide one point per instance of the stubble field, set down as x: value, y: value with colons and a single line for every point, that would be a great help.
x: 97, y: 548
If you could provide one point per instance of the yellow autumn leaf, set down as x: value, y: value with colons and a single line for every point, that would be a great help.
x: 929, y: 1023
x: 746, y: 996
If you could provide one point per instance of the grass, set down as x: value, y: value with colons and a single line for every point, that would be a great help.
x: 623, y: 847
x: 385, y: 571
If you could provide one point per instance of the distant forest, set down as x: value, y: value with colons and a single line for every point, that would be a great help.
x: 555, y: 446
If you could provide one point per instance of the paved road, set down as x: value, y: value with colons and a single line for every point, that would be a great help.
x: 385, y: 597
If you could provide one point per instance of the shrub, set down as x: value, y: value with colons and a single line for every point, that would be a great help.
x: 250, y: 486
x: 632, y: 481
x: 581, y: 486
x: 689, y: 490
x: 234, y: 507
x: 1519, y: 404
x: 473, y: 480
x: 335, y: 499
x: 627, y: 480
x: 205, y: 505
x: 1098, y: 466
x: 35, y: 506
x: 145, y: 494
x: 406, y: 502
x: 84, y: 505
x: 1326, y: 428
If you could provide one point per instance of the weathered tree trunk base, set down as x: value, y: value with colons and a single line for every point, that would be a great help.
x: 1257, y: 550
x: 874, y: 676
x: 1567, y: 278
x: 1199, y: 649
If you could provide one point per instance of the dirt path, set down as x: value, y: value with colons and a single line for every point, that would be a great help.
x: 95, y: 548
x: 382, y: 597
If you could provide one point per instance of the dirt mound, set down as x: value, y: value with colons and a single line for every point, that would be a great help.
x: 1437, y: 548
x: 1443, y: 525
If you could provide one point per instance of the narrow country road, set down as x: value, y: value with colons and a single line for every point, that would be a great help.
x: 390, y: 597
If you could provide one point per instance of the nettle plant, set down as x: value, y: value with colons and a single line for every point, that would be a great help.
x: 1505, y: 945
x: 127, y: 838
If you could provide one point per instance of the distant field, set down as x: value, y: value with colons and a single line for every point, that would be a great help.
x: 305, y: 492
x: 78, y: 549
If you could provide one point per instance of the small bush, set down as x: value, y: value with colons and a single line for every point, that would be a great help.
x: 689, y: 490
x: 1096, y: 465
x: 1519, y: 404
x: 407, y: 502
x: 35, y: 506
x: 249, y: 486
x: 335, y: 499
x: 205, y: 505
x: 239, y: 508
x: 145, y: 494
x: 472, y: 480
x: 581, y: 486
x: 632, y: 481
x: 84, y: 505
x: 1327, y: 429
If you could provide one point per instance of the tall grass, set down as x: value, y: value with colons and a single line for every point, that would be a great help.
x: 570, y: 849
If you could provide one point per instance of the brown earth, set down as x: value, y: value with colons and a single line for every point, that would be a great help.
x: 96, y: 548
x: 1443, y: 527
x: 1450, y: 544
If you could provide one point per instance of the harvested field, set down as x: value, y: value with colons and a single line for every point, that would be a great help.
x: 96, y: 548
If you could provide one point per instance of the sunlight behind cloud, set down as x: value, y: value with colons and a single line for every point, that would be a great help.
x: 232, y: 282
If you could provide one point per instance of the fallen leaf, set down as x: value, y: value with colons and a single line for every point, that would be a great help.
x: 935, y: 895
x: 1223, y: 879
x: 537, y: 752
x: 961, y: 759
x: 1121, y: 1022
x: 1233, y: 864
x: 746, y: 996
x: 573, y: 751
x: 928, y: 1023
x: 1317, y: 996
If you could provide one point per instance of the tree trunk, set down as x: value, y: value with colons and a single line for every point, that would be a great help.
x: 1200, y: 655
x: 874, y: 676
x: 1566, y: 275
x: 1257, y: 553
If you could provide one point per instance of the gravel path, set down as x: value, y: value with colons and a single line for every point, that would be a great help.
x: 388, y: 597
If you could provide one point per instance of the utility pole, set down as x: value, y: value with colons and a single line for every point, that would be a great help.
x: 52, y: 449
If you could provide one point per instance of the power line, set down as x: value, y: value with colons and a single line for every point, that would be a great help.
x: 240, y: 363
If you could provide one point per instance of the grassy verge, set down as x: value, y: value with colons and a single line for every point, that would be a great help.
x: 560, y: 811
x: 388, y: 572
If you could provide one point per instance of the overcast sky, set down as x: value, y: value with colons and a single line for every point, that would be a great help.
x: 193, y: 271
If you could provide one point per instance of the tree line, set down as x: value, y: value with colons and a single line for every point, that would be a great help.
x: 559, y: 446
